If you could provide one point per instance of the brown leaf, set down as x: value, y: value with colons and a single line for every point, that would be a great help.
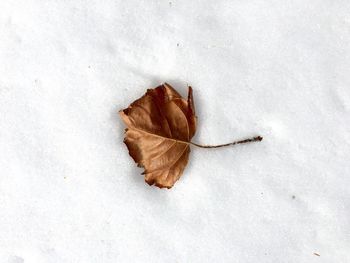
x: 160, y: 126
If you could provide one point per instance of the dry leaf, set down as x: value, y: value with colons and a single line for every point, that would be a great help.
x: 160, y: 126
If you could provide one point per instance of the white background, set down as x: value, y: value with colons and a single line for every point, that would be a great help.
x: 69, y: 192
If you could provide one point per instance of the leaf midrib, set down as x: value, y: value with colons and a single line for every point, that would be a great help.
x: 160, y: 136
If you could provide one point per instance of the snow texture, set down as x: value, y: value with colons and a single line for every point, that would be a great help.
x: 69, y: 191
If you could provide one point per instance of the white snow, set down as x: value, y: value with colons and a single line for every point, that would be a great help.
x: 69, y: 191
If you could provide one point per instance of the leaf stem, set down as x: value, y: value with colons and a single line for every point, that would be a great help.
x: 254, y: 139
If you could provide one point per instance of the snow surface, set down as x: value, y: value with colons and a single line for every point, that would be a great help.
x: 69, y: 192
